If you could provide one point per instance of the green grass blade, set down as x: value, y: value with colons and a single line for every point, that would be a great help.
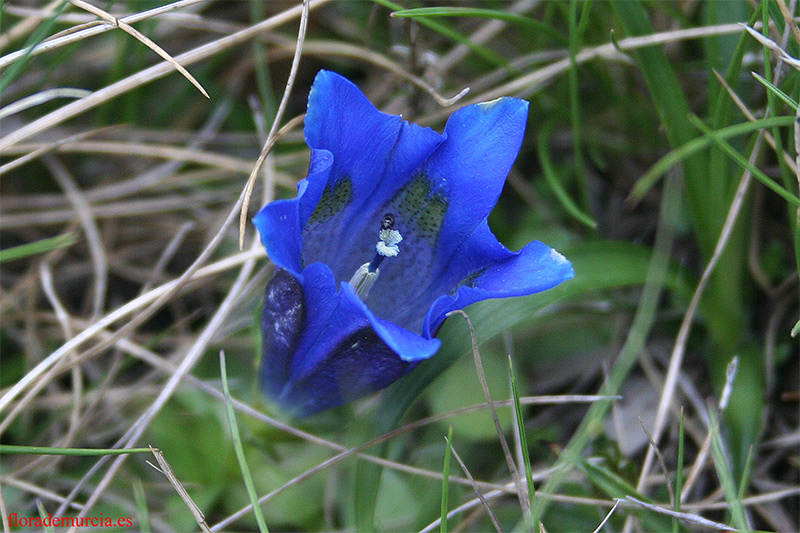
x: 43, y: 515
x: 555, y: 183
x: 446, y: 480
x: 472, y: 12
x: 141, y: 506
x: 657, y: 277
x: 679, y: 473
x: 649, y: 178
x: 39, y: 247
x: 725, y: 475
x: 523, y: 439
x: 44, y: 450
x: 237, y: 445
x: 35, y: 38
x: 482, y: 51
x: 748, y: 465
x: 775, y: 90
x: 615, y: 486
x: 576, y: 28
x: 744, y: 163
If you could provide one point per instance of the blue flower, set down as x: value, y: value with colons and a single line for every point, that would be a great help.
x: 387, y: 234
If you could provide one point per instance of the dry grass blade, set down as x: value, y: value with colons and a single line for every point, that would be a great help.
x: 480, y: 36
x: 686, y: 517
x: 38, y: 152
x: 81, y: 33
x: 65, y: 322
x: 789, y: 19
x: 485, y: 503
x: 90, y: 230
x: 40, y: 98
x: 522, y: 493
x: 25, y: 27
x: 607, y: 517
x: 335, y: 48
x: 774, y: 47
x: 142, y: 301
x: 272, y: 137
x: 187, y: 363
x: 160, y: 151
x: 165, y: 469
x: 752, y: 118
x: 529, y: 83
x: 127, y: 28
x: 661, y: 462
x: 251, y: 181
x: 148, y: 75
x: 702, y: 456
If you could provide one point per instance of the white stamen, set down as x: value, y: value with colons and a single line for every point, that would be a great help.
x: 363, y: 280
x: 387, y: 246
x: 366, y: 275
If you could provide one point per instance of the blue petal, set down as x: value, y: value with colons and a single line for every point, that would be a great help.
x: 445, y: 200
x: 280, y: 223
x: 483, y: 268
x: 374, y: 155
x: 323, y: 347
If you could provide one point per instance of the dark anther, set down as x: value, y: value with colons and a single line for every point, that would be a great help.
x: 387, y: 222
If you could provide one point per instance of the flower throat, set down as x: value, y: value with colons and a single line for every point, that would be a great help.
x: 366, y: 275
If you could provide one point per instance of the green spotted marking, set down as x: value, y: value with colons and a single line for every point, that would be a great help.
x: 423, y: 213
x: 429, y: 221
x: 414, y: 195
x: 333, y: 200
x: 469, y: 281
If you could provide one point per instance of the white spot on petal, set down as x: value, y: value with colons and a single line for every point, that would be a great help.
x: 557, y: 257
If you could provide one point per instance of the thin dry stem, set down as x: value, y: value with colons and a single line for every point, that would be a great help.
x: 66, y: 327
x: 127, y: 28
x: 522, y: 493
x: 82, y: 209
x: 95, y: 29
x: 272, y: 136
x: 148, y: 75
x: 485, y: 503
x: 165, y: 469
x: 134, y: 305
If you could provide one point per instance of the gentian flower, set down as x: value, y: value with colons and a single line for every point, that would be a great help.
x: 387, y: 235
